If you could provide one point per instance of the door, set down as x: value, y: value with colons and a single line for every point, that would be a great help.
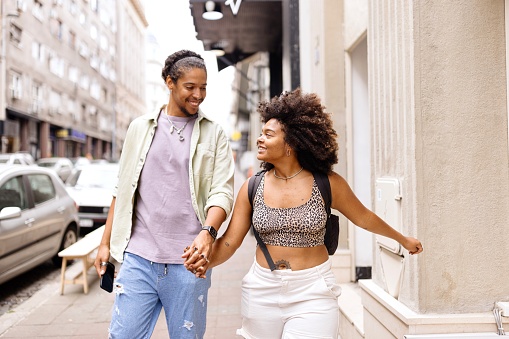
x: 14, y: 232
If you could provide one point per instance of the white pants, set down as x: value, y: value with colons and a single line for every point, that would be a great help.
x: 290, y: 304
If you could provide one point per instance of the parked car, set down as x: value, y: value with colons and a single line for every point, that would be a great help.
x: 16, y: 159
x: 80, y: 161
x: 92, y: 187
x: 62, y: 166
x: 38, y: 219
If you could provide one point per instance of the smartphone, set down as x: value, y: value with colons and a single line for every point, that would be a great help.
x: 106, y: 281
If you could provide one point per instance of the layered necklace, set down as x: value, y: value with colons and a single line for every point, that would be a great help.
x: 175, y: 128
x: 286, y: 178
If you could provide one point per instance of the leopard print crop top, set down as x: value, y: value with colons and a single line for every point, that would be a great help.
x: 301, y: 226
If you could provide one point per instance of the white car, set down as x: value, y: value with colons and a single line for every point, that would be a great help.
x: 91, y: 187
x: 62, y: 166
x: 38, y: 219
x: 16, y: 159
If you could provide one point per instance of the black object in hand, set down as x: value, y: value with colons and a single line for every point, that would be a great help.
x: 106, y: 282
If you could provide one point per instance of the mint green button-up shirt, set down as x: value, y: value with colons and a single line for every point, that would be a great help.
x: 211, y: 172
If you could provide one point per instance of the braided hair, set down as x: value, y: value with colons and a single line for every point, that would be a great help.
x: 179, y: 62
x: 308, y: 129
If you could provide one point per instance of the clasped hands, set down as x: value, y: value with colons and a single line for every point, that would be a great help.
x: 197, y: 258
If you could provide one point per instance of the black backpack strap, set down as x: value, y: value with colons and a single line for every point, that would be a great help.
x: 322, y: 180
x: 253, y: 184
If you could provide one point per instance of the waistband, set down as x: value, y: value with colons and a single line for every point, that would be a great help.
x: 289, y: 275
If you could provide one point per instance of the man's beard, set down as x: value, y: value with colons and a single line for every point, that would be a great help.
x: 185, y: 111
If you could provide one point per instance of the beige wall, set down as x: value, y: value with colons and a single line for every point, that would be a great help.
x: 440, y: 123
x: 438, y: 103
x: 462, y: 201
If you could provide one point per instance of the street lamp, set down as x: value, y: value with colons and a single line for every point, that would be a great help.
x: 212, y: 10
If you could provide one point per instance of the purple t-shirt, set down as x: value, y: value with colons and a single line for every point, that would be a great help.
x: 165, y: 221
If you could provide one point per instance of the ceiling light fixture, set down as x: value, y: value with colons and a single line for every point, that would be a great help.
x: 212, y: 11
x: 217, y: 50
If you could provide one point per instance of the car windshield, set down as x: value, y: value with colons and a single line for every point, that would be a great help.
x: 97, y: 177
x: 46, y: 164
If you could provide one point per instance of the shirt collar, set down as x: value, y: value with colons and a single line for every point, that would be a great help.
x: 155, y: 114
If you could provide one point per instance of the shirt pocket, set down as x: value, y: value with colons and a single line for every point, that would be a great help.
x: 203, y: 163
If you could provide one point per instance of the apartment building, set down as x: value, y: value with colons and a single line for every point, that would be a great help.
x: 60, y: 74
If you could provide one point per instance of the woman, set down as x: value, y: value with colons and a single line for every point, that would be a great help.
x: 299, y: 299
x: 175, y: 188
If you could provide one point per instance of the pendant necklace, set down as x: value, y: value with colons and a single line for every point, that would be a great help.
x: 173, y: 127
x: 286, y: 178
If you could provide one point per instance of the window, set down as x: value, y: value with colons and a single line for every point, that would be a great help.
x: 36, y: 98
x: 93, y: 32
x: 16, y: 86
x: 58, y: 29
x: 73, y: 8
x: 94, y: 5
x: 84, y: 82
x: 82, y: 18
x: 55, y: 102
x: 83, y: 49
x: 74, y: 74
x: 56, y: 65
x: 15, y: 34
x: 94, y: 61
x: 72, y: 108
x: 95, y: 90
x: 72, y: 40
x: 42, y: 187
x: 12, y: 194
x: 38, y: 11
x: 103, y: 42
x: 38, y: 51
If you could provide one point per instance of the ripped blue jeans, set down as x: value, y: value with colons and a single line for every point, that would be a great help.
x: 143, y: 287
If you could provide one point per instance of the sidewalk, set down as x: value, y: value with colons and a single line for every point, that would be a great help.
x: 47, y: 314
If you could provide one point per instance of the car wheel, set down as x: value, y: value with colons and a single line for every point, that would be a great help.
x: 70, y: 237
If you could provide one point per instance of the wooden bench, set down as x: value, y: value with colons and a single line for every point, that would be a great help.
x: 82, y: 249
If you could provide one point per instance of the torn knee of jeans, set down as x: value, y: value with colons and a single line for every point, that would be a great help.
x: 188, y: 324
x: 119, y: 288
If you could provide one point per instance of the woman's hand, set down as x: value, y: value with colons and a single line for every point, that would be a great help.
x: 197, y: 255
x: 413, y: 245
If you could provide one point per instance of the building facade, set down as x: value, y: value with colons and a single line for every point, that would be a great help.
x: 418, y: 91
x: 60, y: 72
x: 130, y: 99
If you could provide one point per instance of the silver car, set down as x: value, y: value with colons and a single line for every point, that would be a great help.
x: 38, y: 219
x: 91, y: 186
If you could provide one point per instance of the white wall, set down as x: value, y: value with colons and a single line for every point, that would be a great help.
x: 361, y: 148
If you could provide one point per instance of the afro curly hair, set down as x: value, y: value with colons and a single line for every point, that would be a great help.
x: 307, y: 127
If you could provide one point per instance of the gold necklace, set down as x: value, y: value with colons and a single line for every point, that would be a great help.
x: 286, y: 178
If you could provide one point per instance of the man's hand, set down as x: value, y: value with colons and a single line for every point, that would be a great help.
x: 197, y: 255
x: 103, y: 255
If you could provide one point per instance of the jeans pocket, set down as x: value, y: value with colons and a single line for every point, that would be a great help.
x: 331, y: 285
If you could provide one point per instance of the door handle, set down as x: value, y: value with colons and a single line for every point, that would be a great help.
x: 29, y: 221
x: 61, y: 209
